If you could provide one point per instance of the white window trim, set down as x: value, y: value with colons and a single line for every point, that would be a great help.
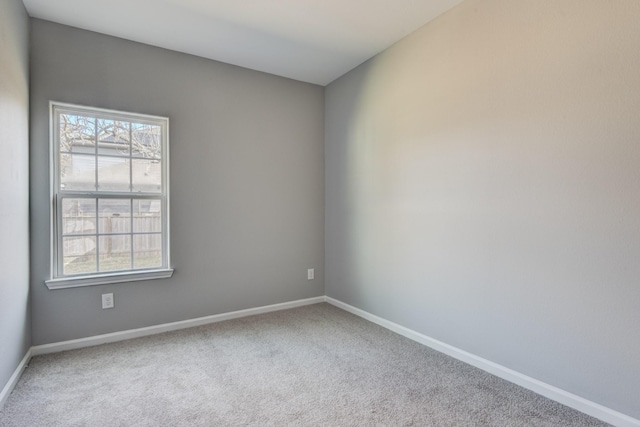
x: 58, y: 281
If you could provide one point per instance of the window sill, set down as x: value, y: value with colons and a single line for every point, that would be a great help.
x: 104, y: 279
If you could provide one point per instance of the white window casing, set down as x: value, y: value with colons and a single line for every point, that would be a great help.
x: 109, y: 196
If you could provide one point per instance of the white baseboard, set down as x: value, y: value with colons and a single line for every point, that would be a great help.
x: 554, y: 393
x: 166, y: 327
x: 571, y: 400
x: 8, y: 388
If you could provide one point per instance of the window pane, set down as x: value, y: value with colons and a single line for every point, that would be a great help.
x: 111, y: 193
x: 114, y: 216
x: 147, y: 176
x: 147, y: 216
x: 147, y: 250
x: 113, y: 174
x: 113, y: 137
x: 77, y: 133
x: 115, y: 253
x: 78, y: 216
x: 78, y: 255
x: 77, y: 172
x: 146, y: 140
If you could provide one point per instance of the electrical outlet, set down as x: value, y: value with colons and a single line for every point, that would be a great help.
x: 311, y: 274
x: 107, y: 301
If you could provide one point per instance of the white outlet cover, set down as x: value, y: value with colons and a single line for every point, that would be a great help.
x: 310, y: 274
x: 107, y: 301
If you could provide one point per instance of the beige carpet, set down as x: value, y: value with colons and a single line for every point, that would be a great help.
x: 311, y: 366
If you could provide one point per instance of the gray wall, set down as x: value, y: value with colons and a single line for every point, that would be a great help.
x: 15, y: 328
x: 247, y: 181
x: 483, y: 188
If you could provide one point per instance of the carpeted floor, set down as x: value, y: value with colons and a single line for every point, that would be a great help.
x: 311, y: 366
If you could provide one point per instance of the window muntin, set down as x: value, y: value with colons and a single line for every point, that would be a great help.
x: 109, y: 192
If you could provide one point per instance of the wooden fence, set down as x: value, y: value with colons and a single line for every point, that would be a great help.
x: 114, y: 232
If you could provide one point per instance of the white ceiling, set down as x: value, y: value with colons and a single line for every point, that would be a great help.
x: 314, y: 41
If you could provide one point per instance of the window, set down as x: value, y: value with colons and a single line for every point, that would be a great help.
x: 110, y: 196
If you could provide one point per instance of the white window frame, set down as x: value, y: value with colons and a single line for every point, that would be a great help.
x: 58, y: 280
